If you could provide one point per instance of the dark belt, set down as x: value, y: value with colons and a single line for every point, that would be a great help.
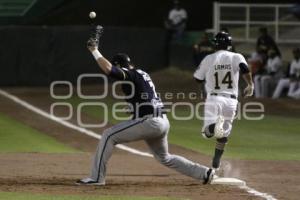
x: 158, y: 112
x: 224, y: 95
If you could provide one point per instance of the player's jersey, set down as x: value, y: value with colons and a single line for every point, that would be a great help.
x: 220, y: 71
x: 143, y: 99
x: 295, y: 68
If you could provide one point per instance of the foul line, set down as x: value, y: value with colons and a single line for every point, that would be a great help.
x: 95, y: 135
x: 69, y: 124
x: 257, y: 193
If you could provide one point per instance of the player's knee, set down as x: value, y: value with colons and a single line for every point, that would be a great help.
x: 105, y: 133
x: 106, y: 136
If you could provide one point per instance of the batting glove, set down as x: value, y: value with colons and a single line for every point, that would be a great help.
x: 249, y: 90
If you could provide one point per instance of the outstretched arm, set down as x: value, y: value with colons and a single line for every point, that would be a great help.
x: 93, y: 44
x: 103, y: 63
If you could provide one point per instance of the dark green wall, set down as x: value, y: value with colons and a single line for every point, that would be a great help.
x: 39, y: 55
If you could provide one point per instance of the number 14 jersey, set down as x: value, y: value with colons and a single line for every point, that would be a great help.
x: 220, y: 71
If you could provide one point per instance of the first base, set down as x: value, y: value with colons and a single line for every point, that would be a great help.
x: 228, y: 181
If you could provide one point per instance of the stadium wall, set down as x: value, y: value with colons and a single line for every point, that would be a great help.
x: 38, y: 55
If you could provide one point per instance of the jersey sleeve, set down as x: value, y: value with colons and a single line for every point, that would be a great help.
x: 121, y: 74
x: 239, y: 60
x: 201, y: 71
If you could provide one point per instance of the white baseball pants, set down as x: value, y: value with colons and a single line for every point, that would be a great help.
x: 219, y: 105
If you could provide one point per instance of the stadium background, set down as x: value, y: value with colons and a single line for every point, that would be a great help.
x: 41, y: 159
x: 45, y: 40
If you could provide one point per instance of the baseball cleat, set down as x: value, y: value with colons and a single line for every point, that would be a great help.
x: 216, y: 166
x: 209, y: 176
x: 204, y: 135
x: 219, y: 172
x: 219, y: 130
x: 88, y: 181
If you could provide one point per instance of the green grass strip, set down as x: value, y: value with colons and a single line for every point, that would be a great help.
x: 18, y: 137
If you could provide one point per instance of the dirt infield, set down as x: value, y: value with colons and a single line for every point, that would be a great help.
x: 56, y: 174
x: 127, y: 174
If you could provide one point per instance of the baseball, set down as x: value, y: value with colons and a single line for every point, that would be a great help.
x: 92, y: 15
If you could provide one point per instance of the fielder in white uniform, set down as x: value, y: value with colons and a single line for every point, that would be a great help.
x: 220, y: 72
x: 292, y: 82
x: 149, y: 122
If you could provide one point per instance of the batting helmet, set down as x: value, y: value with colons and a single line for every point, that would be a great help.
x: 121, y: 59
x: 223, y: 41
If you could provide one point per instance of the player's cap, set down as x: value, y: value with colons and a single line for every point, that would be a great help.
x: 223, y: 40
x: 121, y: 59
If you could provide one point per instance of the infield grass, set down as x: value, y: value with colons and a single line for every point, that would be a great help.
x: 273, y: 138
x: 18, y: 137
x: 26, y: 196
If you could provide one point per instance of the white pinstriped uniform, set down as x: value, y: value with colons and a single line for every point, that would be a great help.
x: 221, y: 74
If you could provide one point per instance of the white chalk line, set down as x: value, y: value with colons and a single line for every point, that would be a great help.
x: 68, y: 124
x: 95, y: 135
x: 257, y: 193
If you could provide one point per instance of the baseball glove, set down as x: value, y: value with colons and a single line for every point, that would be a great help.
x: 95, y: 36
